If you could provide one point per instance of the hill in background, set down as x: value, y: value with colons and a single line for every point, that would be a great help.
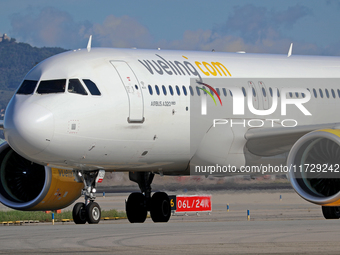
x: 16, y: 60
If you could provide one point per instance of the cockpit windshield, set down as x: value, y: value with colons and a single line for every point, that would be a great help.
x: 27, y: 87
x: 51, y: 86
x: 92, y: 87
x: 74, y: 86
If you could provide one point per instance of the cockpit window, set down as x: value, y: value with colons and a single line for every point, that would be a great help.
x: 51, y: 86
x: 74, y: 86
x: 92, y: 87
x: 27, y: 87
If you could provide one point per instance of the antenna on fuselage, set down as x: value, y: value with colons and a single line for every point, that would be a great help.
x: 89, y: 44
x: 290, y: 50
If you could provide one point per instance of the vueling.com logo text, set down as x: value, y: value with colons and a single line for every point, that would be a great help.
x: 175, y: 67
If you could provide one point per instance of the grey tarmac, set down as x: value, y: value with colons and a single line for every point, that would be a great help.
x: 287, y: 226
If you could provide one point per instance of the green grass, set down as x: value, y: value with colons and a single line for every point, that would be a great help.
x: 14, y: 215
x: 113, y: 213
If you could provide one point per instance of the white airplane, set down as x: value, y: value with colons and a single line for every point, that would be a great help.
x: 84, y: 112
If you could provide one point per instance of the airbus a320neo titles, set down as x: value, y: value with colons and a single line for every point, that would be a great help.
x: 82, y: 113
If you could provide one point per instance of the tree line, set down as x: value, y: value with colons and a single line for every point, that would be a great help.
x: 16, y: 60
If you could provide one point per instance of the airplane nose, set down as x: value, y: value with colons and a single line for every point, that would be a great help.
x: 28, y: 127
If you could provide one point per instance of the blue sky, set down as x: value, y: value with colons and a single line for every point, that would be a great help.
x: 265, y: 26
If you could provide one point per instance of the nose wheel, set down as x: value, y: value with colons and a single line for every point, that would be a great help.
x: 93, y: 213
x: 89, y: 211
x: 79, y: 213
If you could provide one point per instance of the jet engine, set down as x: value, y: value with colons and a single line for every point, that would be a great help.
x: 314, y: 167
x: 28, y: 186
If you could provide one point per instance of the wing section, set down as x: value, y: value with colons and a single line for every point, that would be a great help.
x: 267, y: 142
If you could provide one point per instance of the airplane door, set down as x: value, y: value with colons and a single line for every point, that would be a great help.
x: 133, y: 90
x: 265, y: 95
x: 254, y: 95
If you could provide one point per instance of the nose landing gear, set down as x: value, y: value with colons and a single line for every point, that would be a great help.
x: 89, y: 211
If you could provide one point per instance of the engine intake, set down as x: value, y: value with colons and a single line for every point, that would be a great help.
x: 25, y: 185
x: 314, y: 163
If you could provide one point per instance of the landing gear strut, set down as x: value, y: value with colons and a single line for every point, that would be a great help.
x: 89, y: 211
x: 139, y: 203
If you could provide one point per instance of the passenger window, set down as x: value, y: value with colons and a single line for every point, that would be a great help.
x: 264, y: 92
x: 27, y: 87
x: 339, y: 93
x: 150, y: 90
x: 184, y: 90
x: 290, y: 94
x: 92, y: 87
x: 178, y: 91
x: 321, y: 94
x: 51, y: 86
x: 224, y: 92
x: 315, y: 94
x: 191, y: 90
x: 254, y: 92
x: 164, y: 90
x: 278, y: 93
x: 198, y: 91
x: 244, y: 91
x: 218, y: 91
x: 157, y: 89
x: 271, y: 92
x: 333, y: 93
x: 171, y: 90
x: 74, y: 86
x: 230, y: 93
x: 327, y: 94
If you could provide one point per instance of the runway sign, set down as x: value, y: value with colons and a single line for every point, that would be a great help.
x: 173, y: 202
x: 194, y: 203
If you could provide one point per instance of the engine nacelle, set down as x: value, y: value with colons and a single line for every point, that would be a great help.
x: 314, y: 163
x: 28, y: 186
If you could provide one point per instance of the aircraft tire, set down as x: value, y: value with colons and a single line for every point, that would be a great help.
x: 331, y: 212
x: 79, y: 213
x: 136, y: 208
x: 93, y: 213
x: 160, y: 207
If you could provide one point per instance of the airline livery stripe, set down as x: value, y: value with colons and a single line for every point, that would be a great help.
x: 209, y: 94
x: 212, y: 90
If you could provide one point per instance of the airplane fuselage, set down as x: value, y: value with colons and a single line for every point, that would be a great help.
x: 143, y: 117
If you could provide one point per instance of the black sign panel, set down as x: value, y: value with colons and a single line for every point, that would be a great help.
x: 173, y: 202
